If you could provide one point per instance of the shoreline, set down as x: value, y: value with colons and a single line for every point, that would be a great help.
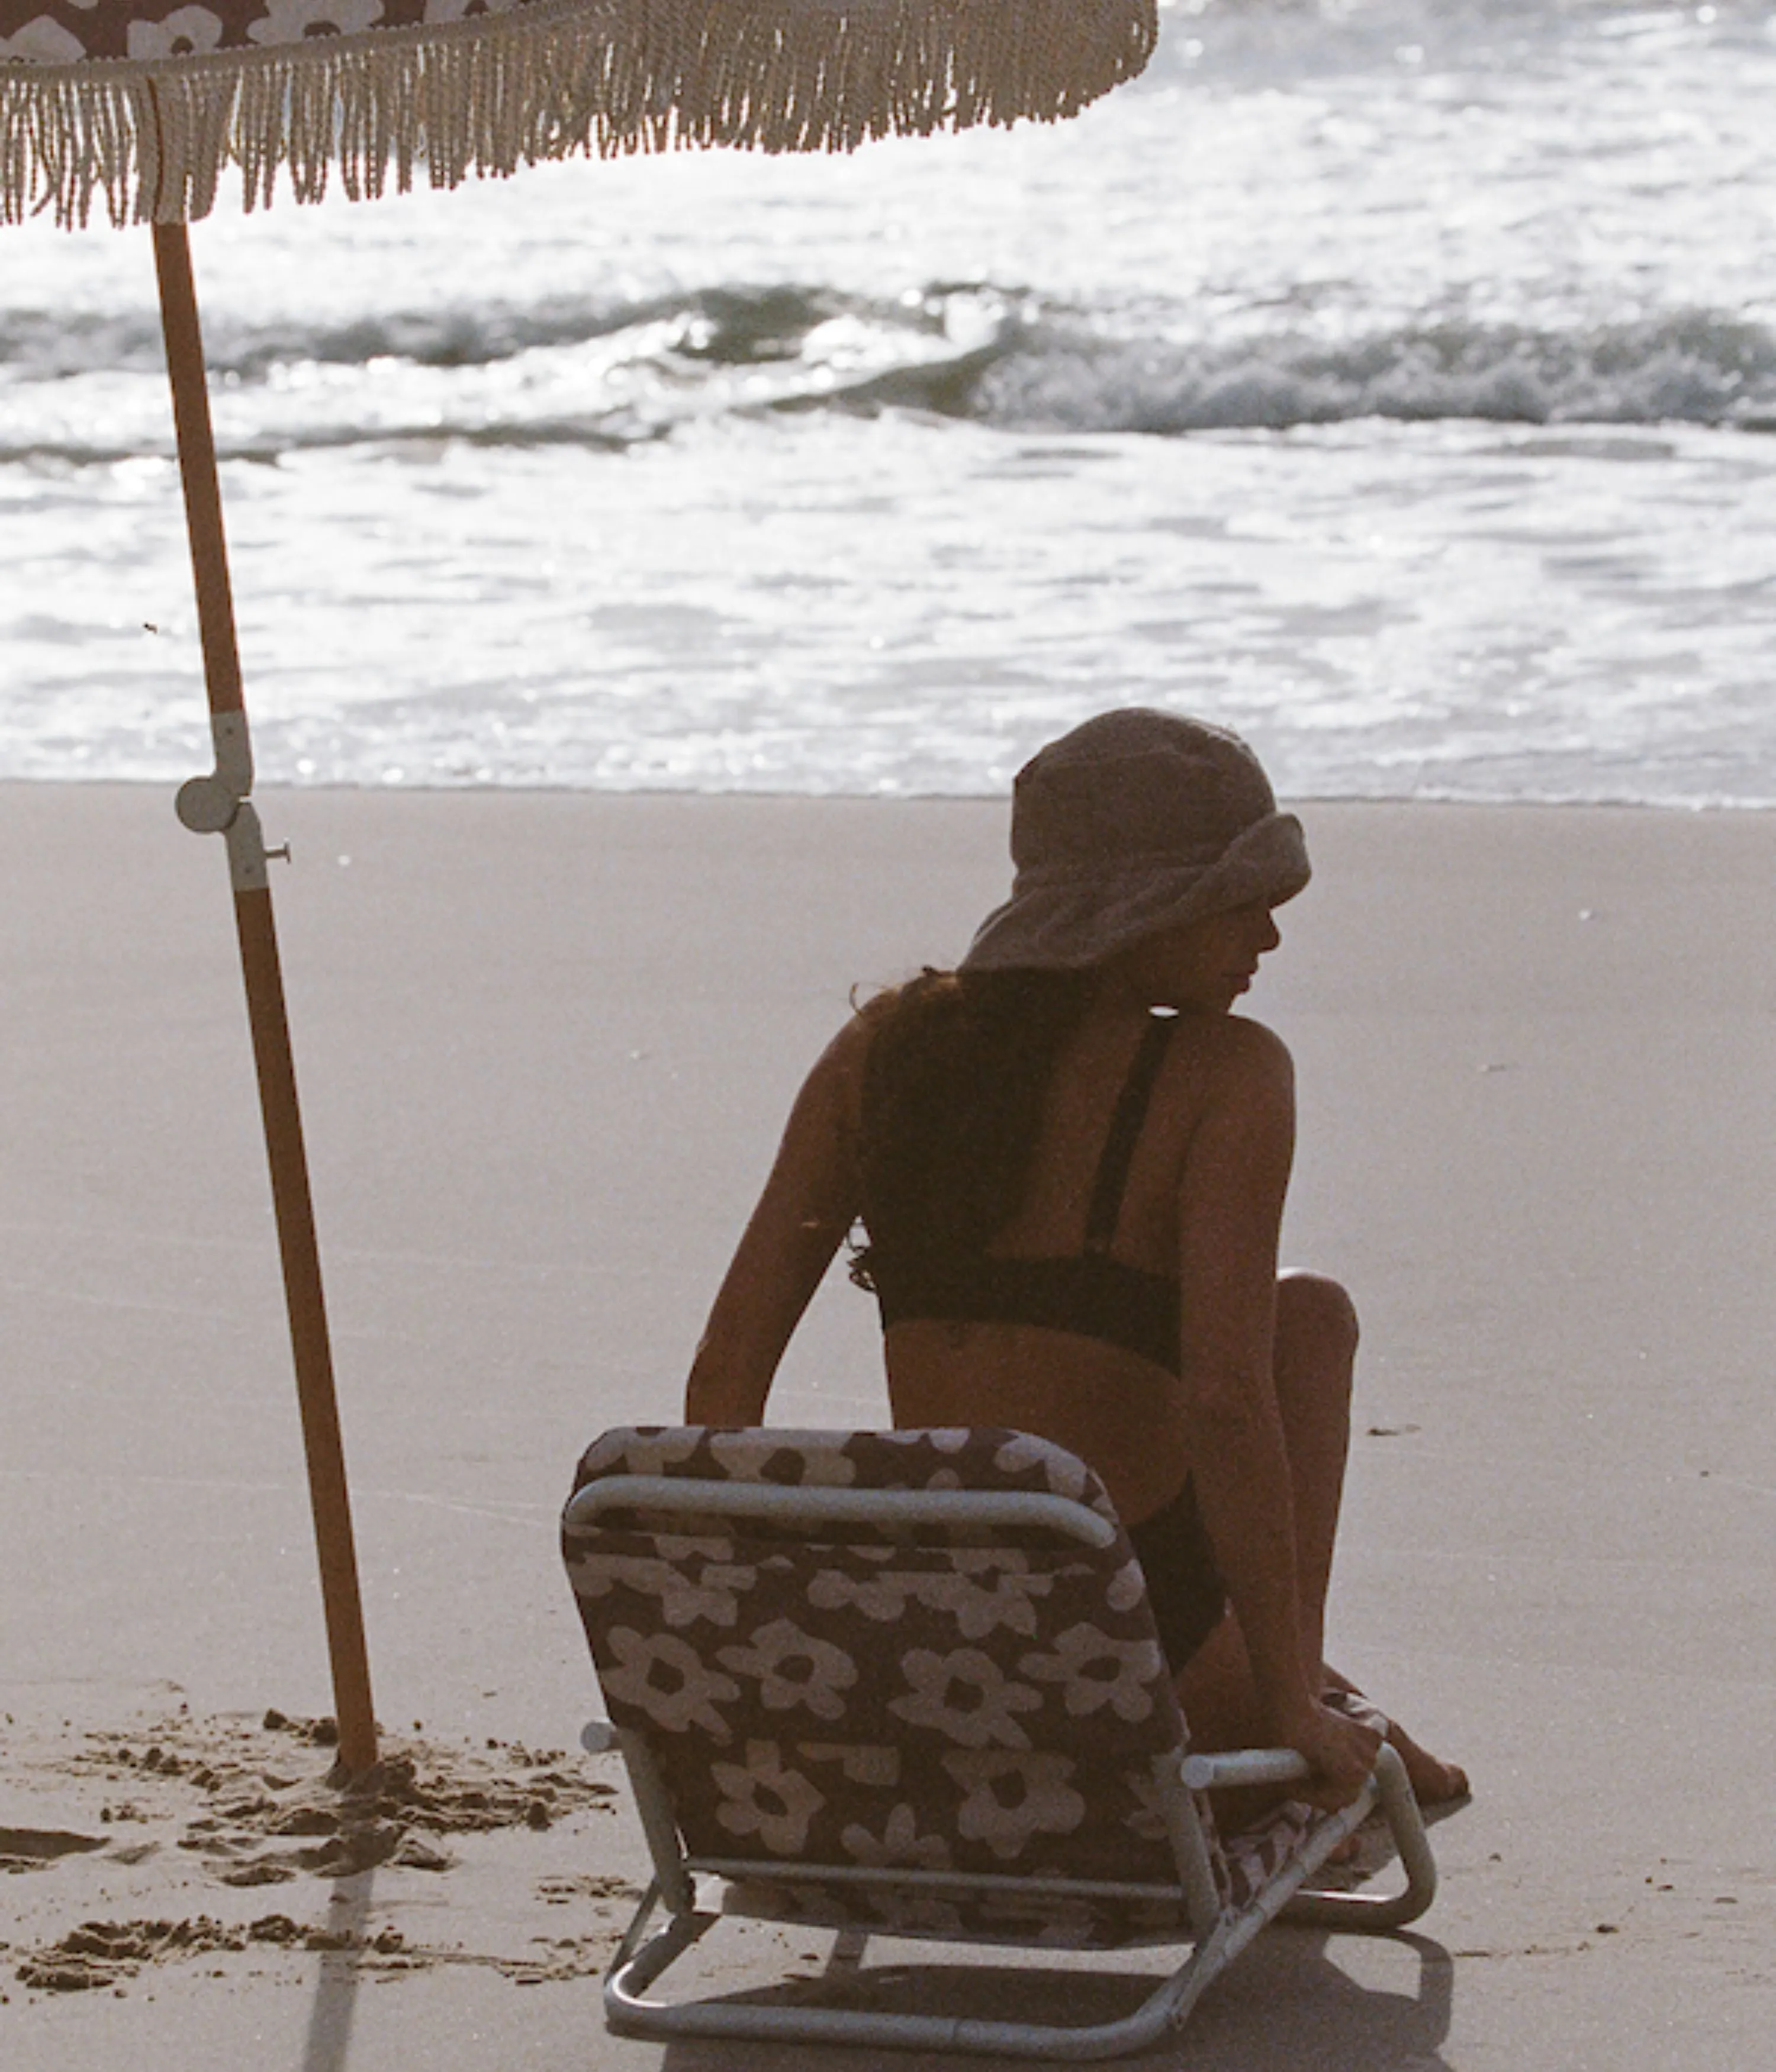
x: 280, y: 787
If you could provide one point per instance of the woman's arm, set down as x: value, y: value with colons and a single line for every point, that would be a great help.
x: 809, y: 1203
x: 1235, y: 1175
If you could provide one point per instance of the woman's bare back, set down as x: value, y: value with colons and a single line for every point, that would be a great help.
x: 1120, y: 1411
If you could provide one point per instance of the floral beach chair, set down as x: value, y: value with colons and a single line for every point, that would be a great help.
x: 908, y: 1684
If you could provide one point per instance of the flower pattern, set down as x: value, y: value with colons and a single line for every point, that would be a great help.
x: 186, y: 32
x: 1070, y: 1476
x: 1095, y: 1670
x: 74, y: 32
x: 794, y: 1670
x: 859, y: 1762
x: 1012, y: 1798
x: 294, y: 21
x: 965, y: 1696
x: 685, y: 1589
x: 777, y: 1457
x: 989, y: 1591
x: 899, y: 1842
x: 761, y: 1797
x: 668, y: 1683
x: 655, y: 1450
x: 1127, y: 1588
x: 1005, y: 1599
x: 43, y: 40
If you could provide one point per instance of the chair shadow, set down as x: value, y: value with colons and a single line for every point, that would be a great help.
x: 1288, y: 2002
x: 1286, y: 2006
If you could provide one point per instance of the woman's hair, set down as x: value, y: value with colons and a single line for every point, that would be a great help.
x: 958, y: 1066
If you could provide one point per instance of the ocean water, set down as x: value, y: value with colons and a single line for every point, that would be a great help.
x: 1393, y: 379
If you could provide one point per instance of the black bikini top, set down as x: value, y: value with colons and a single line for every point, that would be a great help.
x: 1089, y: 1293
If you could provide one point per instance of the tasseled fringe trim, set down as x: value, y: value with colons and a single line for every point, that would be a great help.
x: 548, y: 80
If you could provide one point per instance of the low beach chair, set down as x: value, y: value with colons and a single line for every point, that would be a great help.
x: 908, y: 1684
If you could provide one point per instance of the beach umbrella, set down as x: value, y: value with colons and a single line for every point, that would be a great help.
x: 141, y: 110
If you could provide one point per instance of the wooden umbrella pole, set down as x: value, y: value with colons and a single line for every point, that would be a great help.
x: 218, y: 804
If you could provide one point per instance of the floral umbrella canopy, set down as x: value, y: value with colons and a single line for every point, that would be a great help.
x: 141, y: 109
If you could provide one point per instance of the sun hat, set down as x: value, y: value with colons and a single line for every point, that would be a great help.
x: 1135, y: 821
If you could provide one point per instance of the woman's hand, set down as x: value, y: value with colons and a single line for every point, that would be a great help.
x: 1342, y: 1751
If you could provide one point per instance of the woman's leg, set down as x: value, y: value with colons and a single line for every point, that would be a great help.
x: 1316, y: 1352
x: 1316, y: 1355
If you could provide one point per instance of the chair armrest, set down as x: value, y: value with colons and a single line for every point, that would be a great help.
x: 1212, y: 1773
x: 597, y: 1737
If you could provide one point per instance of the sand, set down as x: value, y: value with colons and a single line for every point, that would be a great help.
x: 545, y: 1043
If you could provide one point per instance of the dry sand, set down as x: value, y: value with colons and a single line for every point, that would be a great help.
x: 545, y: 1043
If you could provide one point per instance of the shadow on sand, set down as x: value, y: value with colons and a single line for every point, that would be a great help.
x: 327, y: 2045
x: 1286, y: 2005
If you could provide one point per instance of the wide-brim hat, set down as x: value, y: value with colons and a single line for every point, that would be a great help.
x: 1136, y: 821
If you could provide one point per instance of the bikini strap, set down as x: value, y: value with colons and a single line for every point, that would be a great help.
x: 1125, y: 1134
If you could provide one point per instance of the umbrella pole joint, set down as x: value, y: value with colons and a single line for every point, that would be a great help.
x: 217, y: 803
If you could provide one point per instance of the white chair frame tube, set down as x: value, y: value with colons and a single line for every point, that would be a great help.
x: 793, y: 1504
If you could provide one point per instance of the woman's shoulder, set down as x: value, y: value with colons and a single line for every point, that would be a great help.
x: 1240, y: 1056
x: 838, y: 1072
x: 885, y: 1007
x: 840, y: 1064
x: 896, y: 1012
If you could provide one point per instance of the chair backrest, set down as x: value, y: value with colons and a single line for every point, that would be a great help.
x: 976, y: 1711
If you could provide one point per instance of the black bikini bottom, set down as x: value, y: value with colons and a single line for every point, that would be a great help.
x: 1184, y: 1583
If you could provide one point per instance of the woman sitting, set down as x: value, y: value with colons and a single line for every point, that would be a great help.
x: 1069, y: 1160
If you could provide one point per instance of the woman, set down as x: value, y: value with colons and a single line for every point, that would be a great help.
x: 1070, y: 1161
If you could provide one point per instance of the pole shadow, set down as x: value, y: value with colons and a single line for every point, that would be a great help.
x: 327, y: 2045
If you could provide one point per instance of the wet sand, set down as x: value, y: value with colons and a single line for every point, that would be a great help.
x: 545, y: 1043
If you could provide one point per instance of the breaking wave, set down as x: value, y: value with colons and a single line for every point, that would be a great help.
x: 72, y: 391
x: 1692, y: 368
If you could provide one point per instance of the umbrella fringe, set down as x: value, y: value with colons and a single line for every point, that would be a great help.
x: 491, y: 93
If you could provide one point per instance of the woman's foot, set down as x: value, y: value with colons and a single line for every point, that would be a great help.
x: 1434, y: 1783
